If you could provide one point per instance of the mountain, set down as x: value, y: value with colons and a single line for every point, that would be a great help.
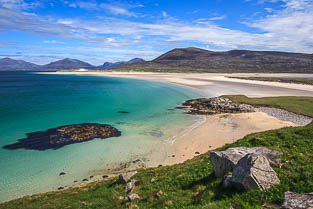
x: 66, y: 64
x: 110, y: 65
x: 192, y: 59
x: 11, y: 64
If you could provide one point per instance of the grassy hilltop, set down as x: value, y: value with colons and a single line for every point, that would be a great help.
x: 192, y: 184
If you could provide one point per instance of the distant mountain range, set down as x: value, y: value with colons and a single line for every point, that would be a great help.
x: 7, y: 64
x: 191, y: 59
x: 110, y: 65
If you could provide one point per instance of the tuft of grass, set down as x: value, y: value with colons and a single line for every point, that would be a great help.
x: 193, y: 185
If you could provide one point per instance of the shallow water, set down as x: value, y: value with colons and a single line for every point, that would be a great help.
x: 34, y: 102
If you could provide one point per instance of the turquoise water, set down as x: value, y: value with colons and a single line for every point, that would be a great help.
x: 33, y: 102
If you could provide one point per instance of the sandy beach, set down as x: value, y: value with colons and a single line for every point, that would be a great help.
x: 221, y: 129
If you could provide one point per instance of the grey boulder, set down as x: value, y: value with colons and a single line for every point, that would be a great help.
x: 125, y: 177
x: 132, y: 196
x: 298, y: 201
x: 254, y: 171
x: 130, y: 186
x: 225, y: 161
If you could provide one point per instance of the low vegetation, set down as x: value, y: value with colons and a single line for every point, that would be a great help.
x: 193, y: 184
x: 306, y: 81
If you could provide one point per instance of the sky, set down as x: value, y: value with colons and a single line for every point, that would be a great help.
x: 97, y: 31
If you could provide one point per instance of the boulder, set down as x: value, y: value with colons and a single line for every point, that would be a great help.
x: 225, y: 161
x: 298, y: 201
x: 130, y: 186
x: 125, y: 177
x: 132, y: 196
x: 254, y: 171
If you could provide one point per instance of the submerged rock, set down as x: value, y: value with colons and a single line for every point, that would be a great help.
x: 123, y: 112
x: 215, y: 105
x: 59, y: 137
x: 254, y: 171
x: 225, y: 161
x: 298, y: 201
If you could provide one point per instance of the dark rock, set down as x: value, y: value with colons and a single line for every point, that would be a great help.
x: 130, y: 186
x: 225, y: 161
x: 253, y: 171
x: 62, y: 174
x: 123, y: 112
x: 59, y: 137
x: 298, y: 201
x: 160, y: 165
x: 215, y: 105
x: 197, y: 153
x: 132, y: 196
x: 173, y: 155
x: 91, y: 177
x: 60, y: 188
x: 75, y: 181
x: 105, y: 176
x: 85, y: 179
x: 125, y: 177
x: 227, y: 181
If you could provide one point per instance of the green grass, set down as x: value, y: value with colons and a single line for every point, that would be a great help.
x: 193, y: 185
x: 283, y: 80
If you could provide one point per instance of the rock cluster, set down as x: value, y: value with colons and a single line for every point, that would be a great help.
x: 298, y: 201
x: 125, y: 178
x: 286, y: 116
x: 250, y: 167
x: 56, y: 138
x: 215, y: 105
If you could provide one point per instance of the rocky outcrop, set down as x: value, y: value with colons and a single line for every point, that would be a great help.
x: 130, y: 186
x: 215, y: 105
x: 254, y: 171
x: 56, y: 138
x: 225, y: 161
x: 298, y: 201
x: 125, y: 177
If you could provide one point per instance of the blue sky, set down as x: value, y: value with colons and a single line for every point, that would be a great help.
x: 97, y: 31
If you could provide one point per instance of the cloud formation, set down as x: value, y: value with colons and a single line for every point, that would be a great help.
x: 289, y: 28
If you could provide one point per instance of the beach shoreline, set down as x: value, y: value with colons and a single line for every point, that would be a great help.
x: 230, y: 127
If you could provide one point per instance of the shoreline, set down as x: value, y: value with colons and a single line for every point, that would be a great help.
x: 231, y: 127
x: 214, y: 132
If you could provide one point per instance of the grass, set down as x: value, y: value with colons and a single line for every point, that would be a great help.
x: 283, y: 80
x: 193, y: 185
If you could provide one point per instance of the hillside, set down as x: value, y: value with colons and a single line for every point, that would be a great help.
x: 67, y: 64
x: 11, y: 64
x: 229, y: 61
x: 109, y: 65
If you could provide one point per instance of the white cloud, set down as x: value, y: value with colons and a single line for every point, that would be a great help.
x: 18, y: 4
x: 164, y: 14
x: 217, y: 18
x: 113, y: 8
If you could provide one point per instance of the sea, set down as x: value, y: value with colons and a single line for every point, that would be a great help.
x: 32, y: 102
